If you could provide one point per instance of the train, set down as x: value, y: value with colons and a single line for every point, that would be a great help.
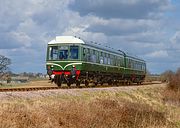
x: 72, y: 60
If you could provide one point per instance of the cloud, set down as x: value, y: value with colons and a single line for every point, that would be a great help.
x: 158, y: 54
x: 123, y: 26
x: 131, y: 9
x: 27, y: 26
x: 138, y: 27
x: 175, y: 39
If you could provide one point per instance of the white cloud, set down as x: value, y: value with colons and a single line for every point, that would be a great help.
x: 135, y: 26
x: 133, y: 9
x: 121, y: 27
x: 158, y: 54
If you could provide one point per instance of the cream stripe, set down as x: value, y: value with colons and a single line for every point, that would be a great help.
x: 72, y: 64
x: 64, y: 66
x: 56, y: 65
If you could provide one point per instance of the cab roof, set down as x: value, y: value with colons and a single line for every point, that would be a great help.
x: 66, y: 39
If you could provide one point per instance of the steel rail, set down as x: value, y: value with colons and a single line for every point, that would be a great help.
x: 23, y: 89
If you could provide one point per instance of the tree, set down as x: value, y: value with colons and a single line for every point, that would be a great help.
x: 4, y: 63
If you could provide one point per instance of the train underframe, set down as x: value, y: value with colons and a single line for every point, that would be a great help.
x: 97, y: 78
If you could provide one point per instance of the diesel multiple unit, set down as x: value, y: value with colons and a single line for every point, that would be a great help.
x: 91, y: 62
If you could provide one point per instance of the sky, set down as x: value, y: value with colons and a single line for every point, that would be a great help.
x: 149, y: 29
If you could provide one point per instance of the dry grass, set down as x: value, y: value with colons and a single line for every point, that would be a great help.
x: 124, y: 107
x: 97, y: 113
x: 172, y: 96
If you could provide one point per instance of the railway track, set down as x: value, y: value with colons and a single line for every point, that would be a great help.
x: 22, y: 89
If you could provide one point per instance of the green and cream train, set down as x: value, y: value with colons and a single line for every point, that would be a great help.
x: 93, y: 63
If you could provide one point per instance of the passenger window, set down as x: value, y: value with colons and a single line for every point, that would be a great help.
x: 93, y: 56
x: 84, y: 54
x: 97, y: 56
x: 53, y: 53
x: 105, y: 58
x: 129, y: 63
x: 101, y: 60
x: 88, y: 55
x: 63, y: 52
x: 108, y: 60
x: 74, y: 52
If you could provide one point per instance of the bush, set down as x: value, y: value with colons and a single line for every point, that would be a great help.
x: 165, y: 77
x: 172, y: 93
x: 174, y: 81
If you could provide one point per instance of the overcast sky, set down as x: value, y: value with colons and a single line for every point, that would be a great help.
x: 149, y: 29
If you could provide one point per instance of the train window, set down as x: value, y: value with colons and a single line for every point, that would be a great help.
x: 63, y: 52
x: 135, y: 65
x: 93, y: 56
x: 53, y: 52
x: 84, y: 54
x: 88, y: 55
x: 140, y: 66
x: 97, y: 56
x: 93, y: 51
x: 118, y: 62
x: 74, y: 52
x: 122, y: 62
x: 115, y: 61
x: 112, y: 61
x: 84, y: 51
x: 105, y: 60
x: 108, y: 61
x: 129, y: 63
x: 101, y: 60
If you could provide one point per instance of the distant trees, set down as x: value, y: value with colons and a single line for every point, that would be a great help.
x: 4, y: 63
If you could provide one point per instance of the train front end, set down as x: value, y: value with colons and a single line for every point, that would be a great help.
x: 63, y: 62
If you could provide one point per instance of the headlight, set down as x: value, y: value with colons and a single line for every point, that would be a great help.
x: 52, y: 76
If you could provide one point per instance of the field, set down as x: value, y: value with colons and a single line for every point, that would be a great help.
x: 112, y: 107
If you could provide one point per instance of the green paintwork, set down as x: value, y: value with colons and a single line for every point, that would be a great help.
x: 94, y: 67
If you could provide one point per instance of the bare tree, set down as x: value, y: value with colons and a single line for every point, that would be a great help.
x: 4, y: 63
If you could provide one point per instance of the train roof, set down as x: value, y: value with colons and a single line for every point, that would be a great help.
x: 76, y: 40
x: 66, y: 39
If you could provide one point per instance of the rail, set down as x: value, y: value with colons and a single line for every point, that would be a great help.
x: 22, y: 89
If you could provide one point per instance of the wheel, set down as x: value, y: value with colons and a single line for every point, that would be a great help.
x: 86, y: 82
x: 68, y: 83
x: 59, y: 84
x: 102, y: 83
x: 78, y: 83
x: 109, y: 82
x: 95, y: 83
x: 57, y: 80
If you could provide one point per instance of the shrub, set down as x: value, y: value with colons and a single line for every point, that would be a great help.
x: 174, y: 81
x: 172, y: 93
